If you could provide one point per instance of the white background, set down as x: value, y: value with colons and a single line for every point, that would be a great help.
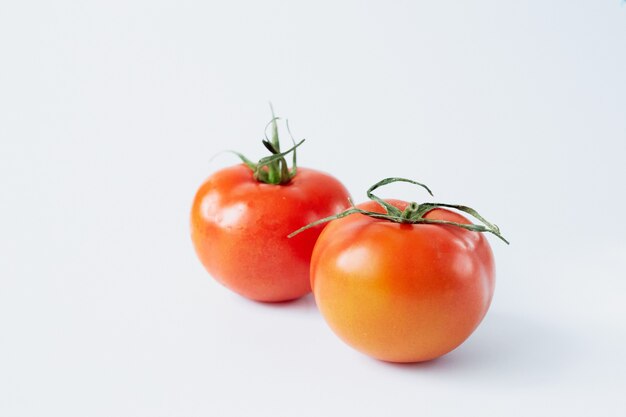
x: 110, y: 112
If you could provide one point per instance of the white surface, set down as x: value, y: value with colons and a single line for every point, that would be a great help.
x: 110, y: 111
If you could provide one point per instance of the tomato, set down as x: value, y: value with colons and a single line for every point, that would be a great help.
x: 402, y: 292
x: 239, y: 226
x: 239, y: 229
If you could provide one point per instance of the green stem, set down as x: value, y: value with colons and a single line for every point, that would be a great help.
x: 389, y: 208
x: 273, y: 169
x: 409, y: 212
x: 413, y: 214
x: 260, y: 172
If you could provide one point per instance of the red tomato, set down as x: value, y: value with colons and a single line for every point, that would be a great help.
x: 402, y: 292
x: 239, y: 227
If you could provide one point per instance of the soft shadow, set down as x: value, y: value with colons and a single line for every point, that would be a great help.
x: 509, y: 346
x: 304, y: 304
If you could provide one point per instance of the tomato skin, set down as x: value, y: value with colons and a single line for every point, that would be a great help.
x: 239, y: 229
x: 402, y: 292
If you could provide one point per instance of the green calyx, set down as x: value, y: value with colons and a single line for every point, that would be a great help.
x: 413, y: 214
x: 273, y: 169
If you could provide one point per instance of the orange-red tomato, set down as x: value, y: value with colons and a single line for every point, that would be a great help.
x: 239, y: 228
x: 402, y: 292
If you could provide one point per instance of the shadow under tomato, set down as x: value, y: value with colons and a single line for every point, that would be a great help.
x: 305, y: 303
x: 509, y: 346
